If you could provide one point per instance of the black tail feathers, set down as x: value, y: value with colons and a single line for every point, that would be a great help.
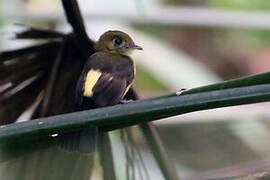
x: 83, y: 141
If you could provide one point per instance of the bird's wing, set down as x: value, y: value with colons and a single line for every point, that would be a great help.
x: 109, y: 89
x: 103, y: 88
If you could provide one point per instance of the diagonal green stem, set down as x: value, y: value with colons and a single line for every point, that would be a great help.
x: 258, y: 79
x: 168, y: 169
x: 153, y: 139
x: 74, y: 17
x: 120, y: 116
x: 106, y: 156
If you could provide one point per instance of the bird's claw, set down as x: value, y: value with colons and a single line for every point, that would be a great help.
x: 124, y: 101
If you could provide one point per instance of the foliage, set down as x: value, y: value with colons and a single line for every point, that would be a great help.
x: 242, y: 4
x: 247, y: 90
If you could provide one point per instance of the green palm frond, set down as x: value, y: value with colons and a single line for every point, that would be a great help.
x: 120, y: 116
x: 256, y: 89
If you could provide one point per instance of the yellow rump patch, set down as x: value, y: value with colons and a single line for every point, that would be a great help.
x: 91, y: 79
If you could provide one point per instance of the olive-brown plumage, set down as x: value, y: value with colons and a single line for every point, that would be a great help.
x: 108, y: 73
x: 106, y: 78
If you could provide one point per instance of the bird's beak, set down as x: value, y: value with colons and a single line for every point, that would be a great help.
x: 134, y: 46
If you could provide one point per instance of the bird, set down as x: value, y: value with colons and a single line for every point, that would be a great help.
x: 108, y: 73
x: 106, y: 77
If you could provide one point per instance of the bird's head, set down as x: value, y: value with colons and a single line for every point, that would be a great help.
x: 116, y: 42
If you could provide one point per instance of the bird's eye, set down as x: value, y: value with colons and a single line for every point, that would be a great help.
x: 118, y: 41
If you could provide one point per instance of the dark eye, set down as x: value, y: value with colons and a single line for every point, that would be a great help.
x: 118, y: 41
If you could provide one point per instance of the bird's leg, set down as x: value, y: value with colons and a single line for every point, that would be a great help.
x: 178, y: 93
x: 125, y: 101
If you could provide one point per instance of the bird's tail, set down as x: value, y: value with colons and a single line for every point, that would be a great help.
x: 84, y: 141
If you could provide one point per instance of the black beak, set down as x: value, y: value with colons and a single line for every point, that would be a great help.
x: 133, y: 46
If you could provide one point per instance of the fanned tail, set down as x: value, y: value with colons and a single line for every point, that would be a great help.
x: 38, y: 33
x: 22, y: 78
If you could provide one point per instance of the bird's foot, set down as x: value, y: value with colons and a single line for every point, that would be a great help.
x: 124, y: 101
x: 178, y: 93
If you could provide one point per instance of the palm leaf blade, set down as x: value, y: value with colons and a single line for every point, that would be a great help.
x: 120, y: 116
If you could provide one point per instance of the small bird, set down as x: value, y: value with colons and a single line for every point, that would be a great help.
x: 106, y: 77
x: 108, y: 73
